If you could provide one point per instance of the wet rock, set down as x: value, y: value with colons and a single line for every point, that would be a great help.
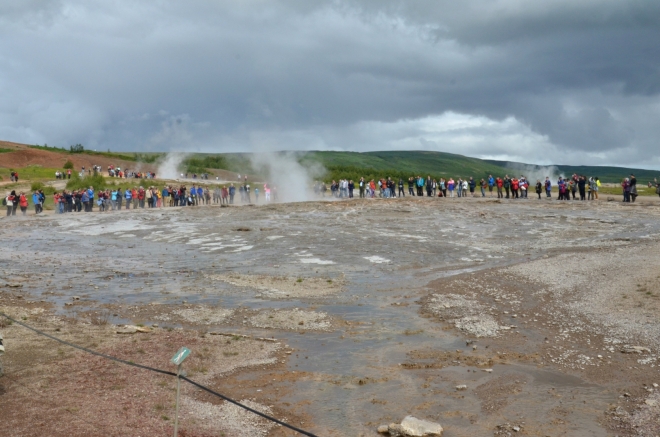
x: 635, y: 350
x: 127, y: 330
x: 413, y: 427
x: 395, y: 430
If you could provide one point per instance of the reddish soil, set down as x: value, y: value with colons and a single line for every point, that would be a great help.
x: 25, y: 156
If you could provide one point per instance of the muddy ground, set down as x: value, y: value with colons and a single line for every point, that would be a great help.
x: 533, y: 318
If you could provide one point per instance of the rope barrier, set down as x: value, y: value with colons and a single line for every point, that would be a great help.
x: 164, y: 372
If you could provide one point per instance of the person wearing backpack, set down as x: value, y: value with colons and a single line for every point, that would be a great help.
x: 548, y: 187
x: 35, y: 202
x: 9, y: 203
x: 507, y: 185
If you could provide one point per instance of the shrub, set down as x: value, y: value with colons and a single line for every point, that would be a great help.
x: 78, y: 148
x: 76, y: 183
x: 68, y: 165
x: 37, y: 186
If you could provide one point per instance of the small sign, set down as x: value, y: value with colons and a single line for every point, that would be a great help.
x: 181, y: 355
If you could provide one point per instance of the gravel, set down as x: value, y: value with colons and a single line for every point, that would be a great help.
x: 294, y: 319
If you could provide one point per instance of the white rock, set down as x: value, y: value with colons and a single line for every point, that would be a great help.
x: 383, y: 429
x: 651, y: 402
x: 636, y: 350
x: 461, y: 387
x: 127, y: 330
x: 413, y: 427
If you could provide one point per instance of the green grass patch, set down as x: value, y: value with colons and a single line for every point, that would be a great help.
x: 76, y: 183
x: 6, y: 150
x: 29, y: 173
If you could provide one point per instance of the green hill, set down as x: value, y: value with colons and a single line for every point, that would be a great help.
x: 400, y: 164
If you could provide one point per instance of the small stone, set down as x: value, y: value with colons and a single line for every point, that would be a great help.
x: 488, y: 370
x: 383, y: 429
x: 655, y: 385
x: 461, y: 387
x: 651, y: 402
x: 516, y: 428
x: 75, y: 297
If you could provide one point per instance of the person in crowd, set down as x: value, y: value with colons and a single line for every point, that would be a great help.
x: 539, y: 188
x: 472, y: 185
x: 9, y: 201
x: 507, y: 185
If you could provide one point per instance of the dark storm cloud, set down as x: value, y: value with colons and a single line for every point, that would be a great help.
x: 551, y: 81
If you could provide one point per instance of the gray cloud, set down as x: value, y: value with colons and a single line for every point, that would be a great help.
x: 556, y: 81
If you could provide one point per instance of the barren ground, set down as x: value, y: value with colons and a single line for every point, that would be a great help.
x: 338, y: 317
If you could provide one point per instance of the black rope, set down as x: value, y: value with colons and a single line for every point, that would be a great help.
x: 259, y: 413
x: 164, y: 372
x: 89, y: 351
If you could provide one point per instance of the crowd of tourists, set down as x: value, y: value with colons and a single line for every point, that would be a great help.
x: 117, y: 172
x: 115, y: 199
x: 576, y: 187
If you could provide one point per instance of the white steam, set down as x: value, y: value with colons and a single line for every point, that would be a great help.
x: 169, y: 167
x: 294, y: 182
x: 534, y: 172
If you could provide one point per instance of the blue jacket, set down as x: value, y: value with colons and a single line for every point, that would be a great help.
x: 35, y: 198
x: 127, y: 194
x: 200, y: 191
x: 491, y: 181
x: 90, y: 193
x: 85, y: 197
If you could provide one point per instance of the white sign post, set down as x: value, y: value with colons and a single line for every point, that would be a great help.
x: 177, y: 360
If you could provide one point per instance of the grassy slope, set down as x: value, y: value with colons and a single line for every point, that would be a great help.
x: 369, y: 164
x: 605, y: 173
x: 415, y: 162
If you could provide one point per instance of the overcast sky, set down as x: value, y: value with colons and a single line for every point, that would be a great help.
x: 554, y: 81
